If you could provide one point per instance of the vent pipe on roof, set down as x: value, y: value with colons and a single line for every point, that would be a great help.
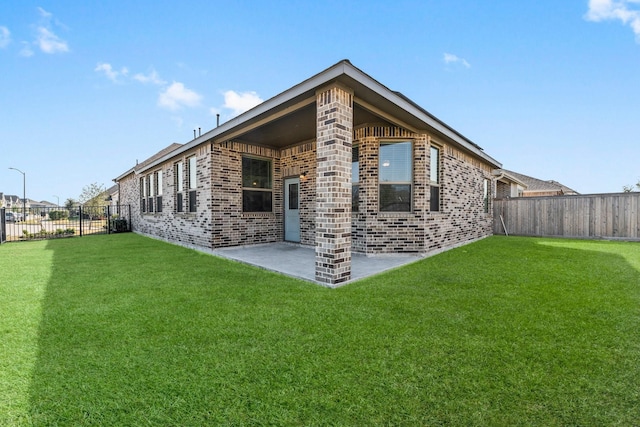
x: 194, y: 134
x: 199, y: 132
x: 217, y: 119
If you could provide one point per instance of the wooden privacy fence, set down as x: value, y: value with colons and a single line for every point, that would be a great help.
x: 594, y: 216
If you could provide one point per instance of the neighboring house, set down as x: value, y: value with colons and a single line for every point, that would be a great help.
x: 9, y: 201
x: 42, y: 204
x: 339, y: 162
x: 508, y: 185
x: 533, y: 187
x: 32, y: 207
x: 113, y: 195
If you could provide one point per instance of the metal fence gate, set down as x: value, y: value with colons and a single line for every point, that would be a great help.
x: 51, y: 223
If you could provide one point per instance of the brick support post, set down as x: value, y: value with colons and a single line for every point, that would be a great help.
x: 333, y: 184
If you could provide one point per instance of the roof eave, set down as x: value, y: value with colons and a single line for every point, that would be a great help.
x: 120, y: 177
x: 501, y: 173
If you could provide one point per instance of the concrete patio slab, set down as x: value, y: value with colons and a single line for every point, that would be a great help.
x: 299, y: 261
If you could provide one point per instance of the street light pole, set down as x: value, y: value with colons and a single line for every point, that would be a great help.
x: 24, y: 193
x: 58, y: 200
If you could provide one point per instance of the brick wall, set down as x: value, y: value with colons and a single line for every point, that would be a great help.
x: 333, y: 184
x: 219, y: 220
x: 188, y: 228
x: 295, y: 161
x: 233, y: 227
x: 460, y: 219
x: 503, y: 190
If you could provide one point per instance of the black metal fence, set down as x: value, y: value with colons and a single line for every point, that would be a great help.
x: 50, y: 223
x: 3, y: 231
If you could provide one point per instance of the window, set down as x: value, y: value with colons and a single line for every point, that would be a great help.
x: 179, y: 176
x: 293, y: 196
x: 150, y: 192
x: 485, y: 195
x: 158, y: 178
x: 355, y: 179
x: 143, y: 195
x: 193, y: 184
x: 395, y: 171
x: 257, y: 194
x: 434, y: 178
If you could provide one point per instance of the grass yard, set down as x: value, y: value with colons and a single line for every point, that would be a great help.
x: 124, y: 330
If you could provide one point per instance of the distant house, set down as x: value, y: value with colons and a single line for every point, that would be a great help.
x: 9, y: 201
x: 508, y: 185
x: 33, y: 204
x: 532, y: 187
x: 15, y: 204
x: 338, y: 162
x: 113, y: 195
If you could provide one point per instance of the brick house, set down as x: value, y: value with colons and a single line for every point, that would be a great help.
x: 508, y: 185
x: 339, y: 162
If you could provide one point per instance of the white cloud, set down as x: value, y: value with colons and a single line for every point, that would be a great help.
x: 152, y: 78
x: 5, y: 37
x: 48, y: 42
x: 450, y: 58
x: 46, y: 39
x: 114, y: 75
x: 238, y: 103
x: 177, y: 96
x: 608, y: 10
x: 44, y: 13
x: 109, y: 72
x: 172, y: 97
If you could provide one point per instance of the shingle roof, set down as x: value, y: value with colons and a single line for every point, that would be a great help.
x: 158, y: 155
x: 143, y: 164
x: 539, y: 185
x: 11, y: 197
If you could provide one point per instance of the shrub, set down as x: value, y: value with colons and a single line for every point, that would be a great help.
x: 56, y: 215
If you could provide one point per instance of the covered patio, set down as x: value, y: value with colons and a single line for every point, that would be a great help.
x: 299, y: 261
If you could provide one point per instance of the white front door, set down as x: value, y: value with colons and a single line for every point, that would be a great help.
x: 292, y: 209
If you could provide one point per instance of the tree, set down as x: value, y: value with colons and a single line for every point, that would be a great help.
x: 93, y: 200
x: 630, y: 188
x: 93, y: 195
x: 70, y: 204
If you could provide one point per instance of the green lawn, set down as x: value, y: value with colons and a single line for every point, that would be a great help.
x: 125, y: 330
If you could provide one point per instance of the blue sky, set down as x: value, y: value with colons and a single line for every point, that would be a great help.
x: 549, y: 88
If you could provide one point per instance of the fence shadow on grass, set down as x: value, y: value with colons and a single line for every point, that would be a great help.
x: 118, y: 350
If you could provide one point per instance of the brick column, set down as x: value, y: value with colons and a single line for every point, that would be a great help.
x: 333, y: 184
